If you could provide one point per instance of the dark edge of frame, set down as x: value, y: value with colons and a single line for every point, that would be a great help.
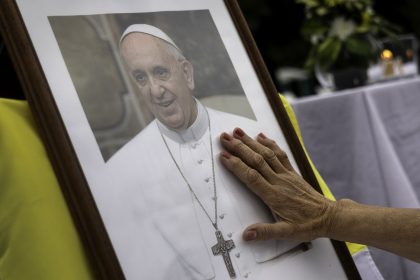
x: 285, y: 124
x: 80, y: 202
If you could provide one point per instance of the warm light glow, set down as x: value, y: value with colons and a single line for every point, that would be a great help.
x: 386, y: 54
x: 409, y: 53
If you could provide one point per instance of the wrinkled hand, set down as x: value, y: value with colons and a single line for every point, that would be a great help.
x: 301, y: 212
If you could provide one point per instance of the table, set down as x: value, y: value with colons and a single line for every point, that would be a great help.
x: 365, y: 142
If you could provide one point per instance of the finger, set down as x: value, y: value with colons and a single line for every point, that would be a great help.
x: 247, y: 155
x: 268, y: 154
x: 264, y: 231
x: 250, y: 177
x: 272, y: 145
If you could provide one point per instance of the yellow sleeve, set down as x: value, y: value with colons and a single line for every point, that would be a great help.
x: 37, y: 237
x: 353, y: 247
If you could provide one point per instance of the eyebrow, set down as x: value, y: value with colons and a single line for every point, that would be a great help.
x: 137, y: 71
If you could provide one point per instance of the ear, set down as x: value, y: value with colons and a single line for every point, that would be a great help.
x: 188, y: 71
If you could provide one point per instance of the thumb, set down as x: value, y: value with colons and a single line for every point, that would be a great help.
x: 263, y: 231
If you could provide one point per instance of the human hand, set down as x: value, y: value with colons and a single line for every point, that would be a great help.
x: 301, y: 212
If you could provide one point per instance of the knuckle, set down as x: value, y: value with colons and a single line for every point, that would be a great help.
x: 282, y: 154
x: 265, y: 233
x: 239, y: 167
x: 272, y: 143
x: 234, y: 162
x: 252, y: 175
x: 258, y: 160
x: 269, y: 154
x: 237, y: 145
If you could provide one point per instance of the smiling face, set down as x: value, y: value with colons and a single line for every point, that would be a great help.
x: 165, y: 79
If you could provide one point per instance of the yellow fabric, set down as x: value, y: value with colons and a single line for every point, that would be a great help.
x: 353, y: 247
x: 37, y: 237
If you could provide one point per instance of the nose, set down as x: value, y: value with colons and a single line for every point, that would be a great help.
x: 156, y: 90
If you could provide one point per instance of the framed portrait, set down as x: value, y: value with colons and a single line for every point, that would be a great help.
x: 131, y: 97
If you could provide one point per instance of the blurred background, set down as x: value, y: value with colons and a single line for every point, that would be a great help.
x: 277, y: 30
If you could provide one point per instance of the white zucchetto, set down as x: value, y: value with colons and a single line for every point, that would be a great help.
x: 148, y: 29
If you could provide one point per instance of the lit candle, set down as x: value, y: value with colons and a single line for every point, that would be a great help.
x: 387, y: 57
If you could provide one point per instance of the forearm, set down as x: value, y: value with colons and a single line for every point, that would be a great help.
x: 395, y: 230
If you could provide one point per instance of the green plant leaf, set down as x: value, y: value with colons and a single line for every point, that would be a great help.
x: 313, y: 27
x: 328, y: 52
x: 363, y: 29
x: 386, y: 26
x: 359, y: 5
x: 308, y: 3
x: 359, y: 46
x: 310, y: 60
x: 321, y: 11
x: 365, y: 26
x: 309, y: 63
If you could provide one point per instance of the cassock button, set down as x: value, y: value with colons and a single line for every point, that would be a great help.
x: 229, y: 235
x: 238, y: 255
x: 200, y: 161
x: 207, y: 179
x: 246, y: 275
x: 221, y: 216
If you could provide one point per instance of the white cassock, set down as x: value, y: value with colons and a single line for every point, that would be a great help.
x: 159, y: 230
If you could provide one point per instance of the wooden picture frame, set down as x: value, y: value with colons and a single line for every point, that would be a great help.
x: 45, y: 66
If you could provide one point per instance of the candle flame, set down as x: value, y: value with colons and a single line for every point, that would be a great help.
x: 387, y: 55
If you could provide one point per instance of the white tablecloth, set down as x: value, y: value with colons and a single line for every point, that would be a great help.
x: 366, y: 144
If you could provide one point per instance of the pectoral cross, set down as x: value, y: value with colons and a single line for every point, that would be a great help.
x: 223, y: 247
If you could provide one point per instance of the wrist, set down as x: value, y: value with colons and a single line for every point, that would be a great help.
x: 337, y: 216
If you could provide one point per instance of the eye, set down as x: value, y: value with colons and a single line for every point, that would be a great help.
x: 161, y: 73
x: 140, y: 77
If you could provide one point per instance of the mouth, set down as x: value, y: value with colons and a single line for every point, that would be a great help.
x: 165, y: 103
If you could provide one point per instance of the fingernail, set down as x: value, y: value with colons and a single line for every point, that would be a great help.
x: 250, y: 235
x: 239, y: 132
x: 226, y: 154
x: 262, y: 135
x: 227, y: 137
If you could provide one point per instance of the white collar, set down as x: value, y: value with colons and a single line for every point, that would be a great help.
x: 193, y: 133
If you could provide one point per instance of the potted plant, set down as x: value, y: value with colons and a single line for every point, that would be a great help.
x: 342, y: 34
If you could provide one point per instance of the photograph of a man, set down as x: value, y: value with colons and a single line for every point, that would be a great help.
x: 163, y: 76
x: 181, y: 214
